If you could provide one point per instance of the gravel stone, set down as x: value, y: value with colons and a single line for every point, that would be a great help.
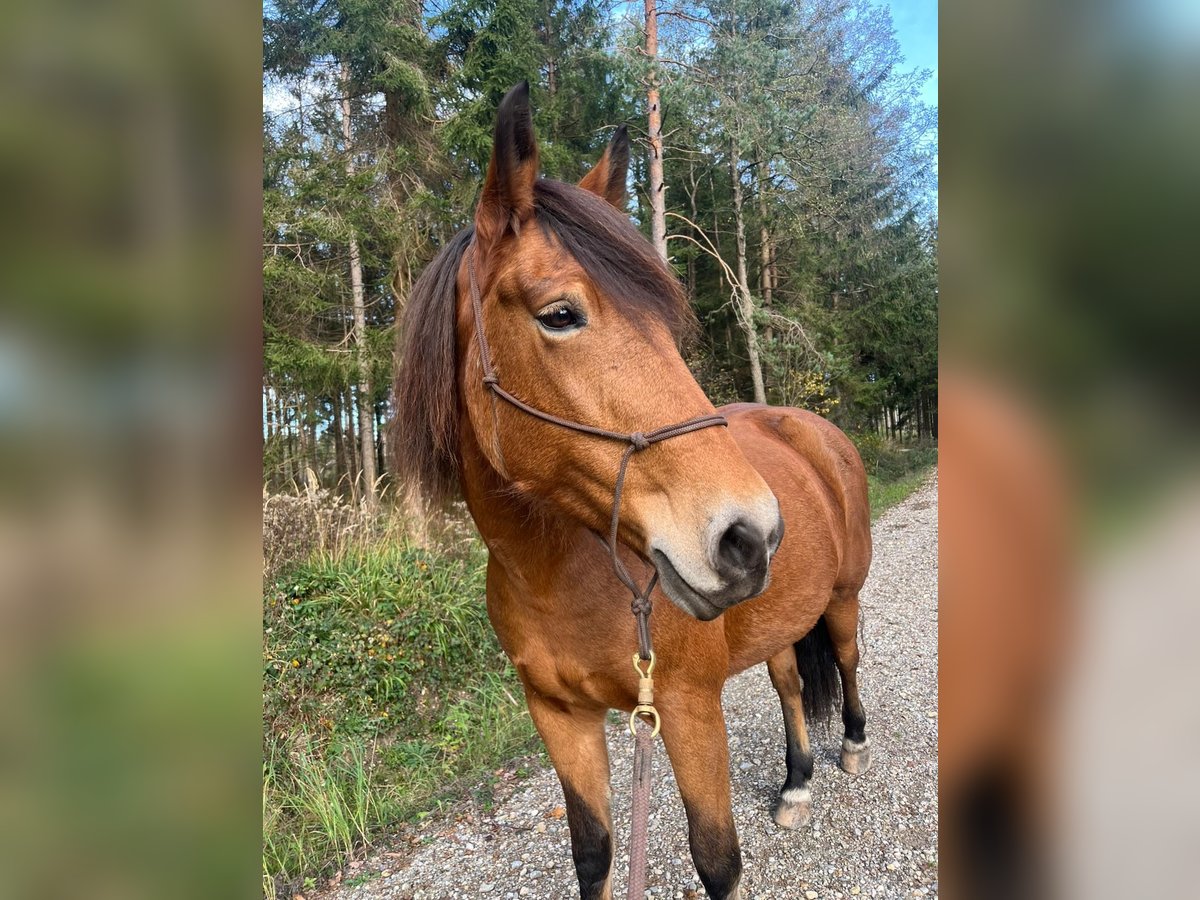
x: 874, y: 835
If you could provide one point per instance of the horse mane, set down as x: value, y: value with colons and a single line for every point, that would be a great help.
x: 423, y: 434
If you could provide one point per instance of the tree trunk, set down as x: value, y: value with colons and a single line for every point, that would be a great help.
x: 379, y: 430
x: 691, y: 269
x: 310, y: 415
x: 658, y: 190
x: 300, y: 451
x: 289, y: 449
x: 366, y: 434
x: 551, y: 60
x: 268, y: 413
x: 764, y: 246
x: 352, y: 455
x: 745, y: 300
x: 339, y: 449
x: 283, y: 471
x: 716, y: 213
x: 774, y: 268
x: 269, y: 437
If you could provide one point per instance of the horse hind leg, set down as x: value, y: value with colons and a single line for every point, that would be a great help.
x: 794, y: 808
x: 841, y: 618
x: 805, y: 676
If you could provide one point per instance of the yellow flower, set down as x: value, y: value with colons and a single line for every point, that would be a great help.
x: 295, y: 663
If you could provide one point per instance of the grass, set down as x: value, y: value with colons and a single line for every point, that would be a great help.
x: 886, y: 494
x: 893, y: 471
x: 383, y: 687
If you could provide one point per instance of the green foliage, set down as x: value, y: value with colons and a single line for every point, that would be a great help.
x: 383, y: 684
x: 886, y: 460
x: 577, y: 89
x: 835, y: 172
x: 894, y: 471
x: 422, y: 96
x: 366, y: 628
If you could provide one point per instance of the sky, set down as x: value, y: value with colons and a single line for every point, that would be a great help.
x: 916, y: 24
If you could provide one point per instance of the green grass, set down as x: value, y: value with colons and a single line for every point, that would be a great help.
x: 885, y: 494
x: 383, y: 688
x: 893, y: 471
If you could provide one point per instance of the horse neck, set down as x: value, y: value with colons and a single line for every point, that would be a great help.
x: 518, y: 532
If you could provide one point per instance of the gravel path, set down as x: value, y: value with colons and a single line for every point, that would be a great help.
x: 871, y: 836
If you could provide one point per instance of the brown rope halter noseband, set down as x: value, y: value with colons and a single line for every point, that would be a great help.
x: 635, y: 442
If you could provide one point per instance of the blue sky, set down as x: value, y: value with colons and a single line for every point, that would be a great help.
x: 916, y: 24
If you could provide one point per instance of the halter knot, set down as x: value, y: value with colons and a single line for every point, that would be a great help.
x: 639, y: 441
x: 641, y: 606
x: 490, y: 379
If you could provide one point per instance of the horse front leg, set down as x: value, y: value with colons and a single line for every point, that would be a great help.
x: 574, y: 738
x: 693, y: 732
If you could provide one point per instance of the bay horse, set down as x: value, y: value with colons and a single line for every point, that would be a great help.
x: 584, y: 321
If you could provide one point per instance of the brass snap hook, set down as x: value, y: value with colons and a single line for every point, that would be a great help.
x: 642, y: 710
x: 637, y: 665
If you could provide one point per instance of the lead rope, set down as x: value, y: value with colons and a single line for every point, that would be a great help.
x: 644, y: 713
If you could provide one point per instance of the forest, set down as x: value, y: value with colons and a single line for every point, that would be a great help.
x: 783, y: 164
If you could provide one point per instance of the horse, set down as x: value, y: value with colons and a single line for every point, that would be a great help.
x: 1005, y: 561
x: 583, y: 322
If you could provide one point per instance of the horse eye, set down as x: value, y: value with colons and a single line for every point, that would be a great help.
x: 559, y: 319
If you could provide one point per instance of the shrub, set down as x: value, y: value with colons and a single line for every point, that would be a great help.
x: 889, y: 460
x: 383, y: 684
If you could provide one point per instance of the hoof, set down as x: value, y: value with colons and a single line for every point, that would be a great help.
x: 856, y: 756
x: 794, y: 809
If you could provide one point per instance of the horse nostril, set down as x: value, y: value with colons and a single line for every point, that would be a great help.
x: 740, y: 549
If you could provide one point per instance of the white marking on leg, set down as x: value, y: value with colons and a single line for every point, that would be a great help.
x: 796, y: 795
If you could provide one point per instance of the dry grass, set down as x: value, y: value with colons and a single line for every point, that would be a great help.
x: 319, y: 522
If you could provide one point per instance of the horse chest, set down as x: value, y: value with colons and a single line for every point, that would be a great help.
x: 573, y: 658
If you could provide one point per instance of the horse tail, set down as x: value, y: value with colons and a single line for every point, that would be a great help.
x: 817, y: 665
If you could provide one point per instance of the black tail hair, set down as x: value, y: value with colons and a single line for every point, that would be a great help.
x: 818, y: 668
x: 997, y: 845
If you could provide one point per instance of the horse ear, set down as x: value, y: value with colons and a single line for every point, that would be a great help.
x: 607, y: 179
x: 507, y: 198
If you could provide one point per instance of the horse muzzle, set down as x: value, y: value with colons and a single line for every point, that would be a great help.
x: 736, y: 565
